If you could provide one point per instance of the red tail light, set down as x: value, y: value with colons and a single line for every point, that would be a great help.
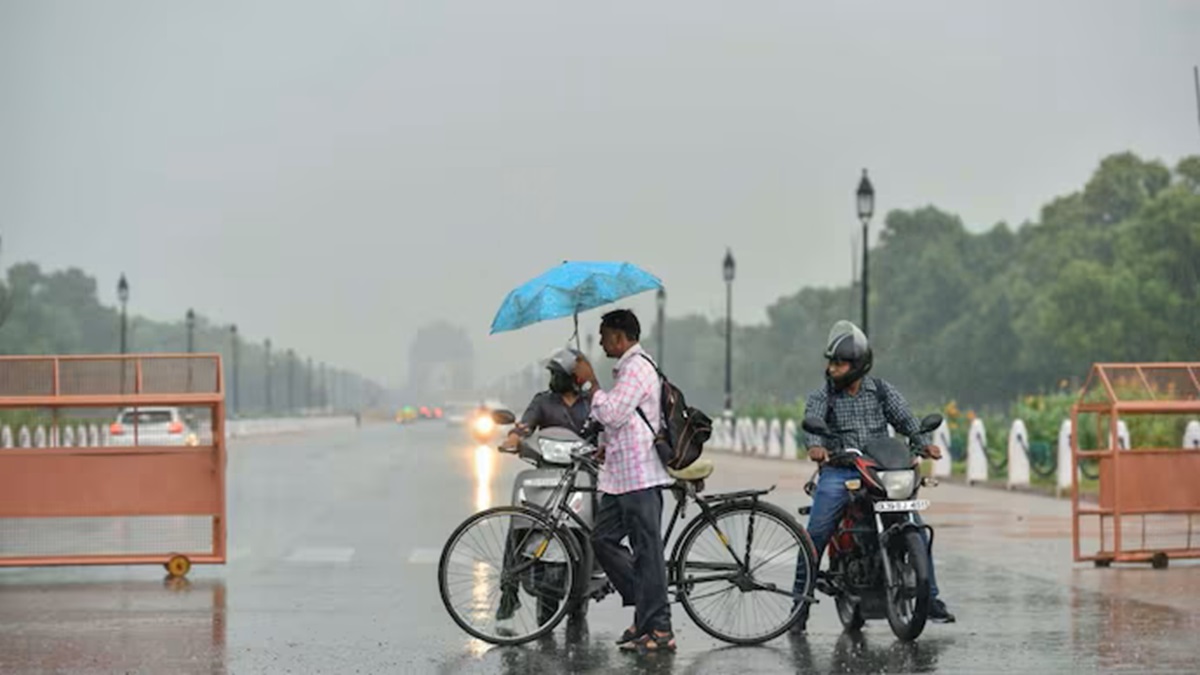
x: 116, y: 429
x: 175, y: 428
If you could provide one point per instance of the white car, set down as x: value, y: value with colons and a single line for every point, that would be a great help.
x: 153, y: 426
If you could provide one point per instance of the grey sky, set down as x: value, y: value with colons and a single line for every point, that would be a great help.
x: 334, y: 175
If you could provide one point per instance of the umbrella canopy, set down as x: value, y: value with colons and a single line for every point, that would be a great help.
x: 571, y: 288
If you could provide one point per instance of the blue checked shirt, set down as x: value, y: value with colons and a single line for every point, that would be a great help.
x: 858, y: 419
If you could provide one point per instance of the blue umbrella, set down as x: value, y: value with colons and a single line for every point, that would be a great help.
x: 569, y: 289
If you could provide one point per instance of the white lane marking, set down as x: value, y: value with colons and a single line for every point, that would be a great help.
x: 424, y: 556
x: 321, y: 555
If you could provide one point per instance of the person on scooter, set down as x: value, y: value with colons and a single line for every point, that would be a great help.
x: 561, y: 405
x: 857, y: 408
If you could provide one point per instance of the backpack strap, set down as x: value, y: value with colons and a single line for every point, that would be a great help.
x: 646, y: 420
x: 661, y: 378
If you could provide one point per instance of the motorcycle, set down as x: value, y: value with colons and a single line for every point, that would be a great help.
x: 549, y: 450
x: 879, y: 564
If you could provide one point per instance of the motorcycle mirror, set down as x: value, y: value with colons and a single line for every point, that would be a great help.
x: 503, y: 417
x: 815, y: 425
x: 930, y: 422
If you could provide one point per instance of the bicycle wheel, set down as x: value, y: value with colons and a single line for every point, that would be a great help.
x: 505, y: 575
x: 735, y: 572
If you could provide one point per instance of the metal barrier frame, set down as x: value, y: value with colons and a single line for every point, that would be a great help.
x: 1146, y: 481
x: 111, y: 481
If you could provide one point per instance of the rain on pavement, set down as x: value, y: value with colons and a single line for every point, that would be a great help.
x: 333, y: 546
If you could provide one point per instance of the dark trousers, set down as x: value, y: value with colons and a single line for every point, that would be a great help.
x: 641, y: 576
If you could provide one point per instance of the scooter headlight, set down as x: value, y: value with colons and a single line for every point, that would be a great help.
x: 556, y: 452
x: 483, y: 426
x: 898, y: 484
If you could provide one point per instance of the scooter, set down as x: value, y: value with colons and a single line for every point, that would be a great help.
x: 549, y: 451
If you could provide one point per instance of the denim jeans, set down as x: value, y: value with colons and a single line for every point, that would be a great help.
x: 829, y: 503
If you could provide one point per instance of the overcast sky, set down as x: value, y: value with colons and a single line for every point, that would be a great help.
x: 333, y: 175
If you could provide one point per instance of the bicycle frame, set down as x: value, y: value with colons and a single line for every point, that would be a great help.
x: 557, y: 512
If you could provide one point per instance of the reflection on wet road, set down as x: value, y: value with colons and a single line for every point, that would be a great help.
x: 334, y: 541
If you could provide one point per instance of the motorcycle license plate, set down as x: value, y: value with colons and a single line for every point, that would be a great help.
x: 911, y: 505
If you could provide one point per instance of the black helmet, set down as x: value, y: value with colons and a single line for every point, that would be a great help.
x: 562, y: 371
x: 848, y: 343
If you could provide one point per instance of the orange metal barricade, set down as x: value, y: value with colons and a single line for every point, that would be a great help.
x: 1155, y: 486
x: 129, y: 497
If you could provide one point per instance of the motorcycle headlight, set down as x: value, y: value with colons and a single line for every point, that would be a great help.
x: 898, y: 484
x: 556, y: 452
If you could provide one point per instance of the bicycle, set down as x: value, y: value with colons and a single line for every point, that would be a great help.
x: 737, y: 542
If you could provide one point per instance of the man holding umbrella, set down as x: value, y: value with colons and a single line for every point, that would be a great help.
x: 631, y: 481
x: 632, y: 477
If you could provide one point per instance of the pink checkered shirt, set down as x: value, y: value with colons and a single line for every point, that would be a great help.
x: 630, y: 461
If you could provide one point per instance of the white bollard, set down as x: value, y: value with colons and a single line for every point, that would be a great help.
x: 790, y: 448
x: 1123, y: 435
x: 1018, y: 455
x: 68, y: 437
x: 24, y: 438
x: 81, y: 436
x: 977, y: 466
x: 724, y: 432
x: 1191, y: 435
x: 742, y: 431
x: 941, y: 437
x: 760, y: 437
x: 774, y: 442
x: 1064, y: 457
x: 39, y: 437
x: 714, y: 441
x: 6, y: 437
x: 95, y: 438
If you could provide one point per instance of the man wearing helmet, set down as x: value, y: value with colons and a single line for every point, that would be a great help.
x: 857, y: 408
x: 562, y: 405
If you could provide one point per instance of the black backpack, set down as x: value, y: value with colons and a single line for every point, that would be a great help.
x: 684, y: 431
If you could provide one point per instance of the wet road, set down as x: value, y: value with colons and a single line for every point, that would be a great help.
x: 334, y: 540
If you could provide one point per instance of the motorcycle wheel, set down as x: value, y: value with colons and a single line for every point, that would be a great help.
x: 908, y: 602
x: 849, y: 614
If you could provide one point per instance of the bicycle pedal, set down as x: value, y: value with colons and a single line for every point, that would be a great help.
x: 805, y: 510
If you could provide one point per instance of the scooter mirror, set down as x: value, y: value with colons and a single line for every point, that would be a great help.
x: 503, y: 417
x: 930, y: 422
x: 815, y: 425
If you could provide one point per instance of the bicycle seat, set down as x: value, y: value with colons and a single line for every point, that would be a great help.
x: 697, y: 470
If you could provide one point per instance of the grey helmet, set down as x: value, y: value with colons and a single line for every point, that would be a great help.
x: 848, y: 343
x: 561, y: 365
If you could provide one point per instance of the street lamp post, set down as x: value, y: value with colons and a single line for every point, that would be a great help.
x: 729, y: 268
x: 191, y: 331
x: 123, y: 296
x: 866, y: 208
x: 291, y: 381
x: 662, y: 325
x: 308, y: 385
x: 237, y: 399
x: 322, y: 391
x: 191, y: 344
x: 269, y: 392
